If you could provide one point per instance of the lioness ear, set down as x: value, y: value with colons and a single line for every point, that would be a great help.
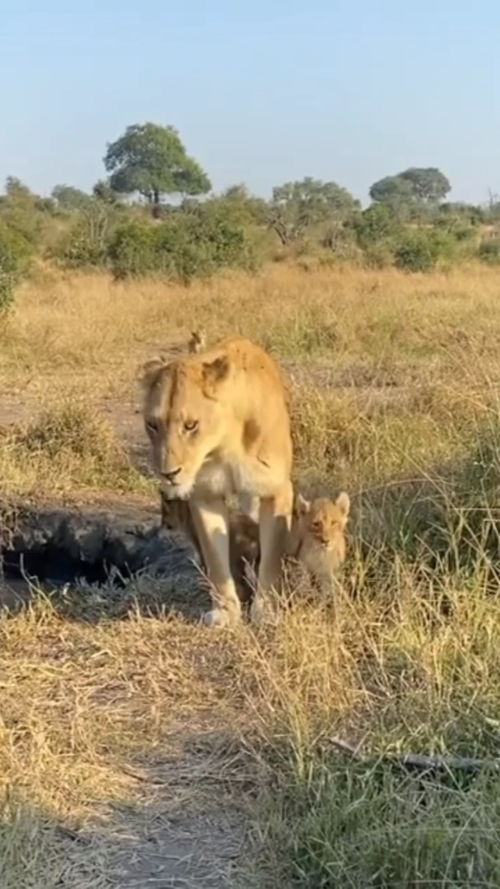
x: 344, y: 504
x: 301, y: 505
x: 148, y: 373
x: 197, y: 342
x: 214, y: 372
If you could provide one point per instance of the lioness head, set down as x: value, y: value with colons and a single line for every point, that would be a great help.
x: 319, y: 525
x: 185, y: 417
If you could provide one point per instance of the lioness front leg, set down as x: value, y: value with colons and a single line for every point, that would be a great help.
x: 274, y: 528
x: 211, y: 521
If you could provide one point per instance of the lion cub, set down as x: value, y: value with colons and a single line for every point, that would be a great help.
x: 316, y: 540
x: 317, y: 536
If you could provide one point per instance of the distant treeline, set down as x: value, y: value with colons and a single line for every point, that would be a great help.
x: 155, y: 214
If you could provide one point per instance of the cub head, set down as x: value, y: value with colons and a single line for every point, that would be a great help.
x: 185, y: 416
x: 197, y: 342
x: 319, y: 524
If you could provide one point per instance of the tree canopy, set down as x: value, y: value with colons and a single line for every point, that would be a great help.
x: 296, y: 206
x: 413, y: 188
x: 70, y: 198
x: 152, y: 160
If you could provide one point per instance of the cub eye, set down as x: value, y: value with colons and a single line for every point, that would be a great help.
x: 316, y: 525
x: 191, y: 425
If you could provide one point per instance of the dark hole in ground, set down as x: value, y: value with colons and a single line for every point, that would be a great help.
x: 52, y: 548
x: 55, y: 567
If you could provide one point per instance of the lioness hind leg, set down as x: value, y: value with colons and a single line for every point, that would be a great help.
x: 211, y: 520
x: 274, y: 528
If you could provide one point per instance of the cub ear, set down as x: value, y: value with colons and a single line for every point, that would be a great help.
x: 197, y: 341
x: 214, y: 373
x: 344, y: 504
x: 149, y: 372
x: 301, y: 506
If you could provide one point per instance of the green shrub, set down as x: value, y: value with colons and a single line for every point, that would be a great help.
x: 419, y: 251
x: 133, y: 250
x: 378, y: 224
x: 185, y: 245
x: 86, y: 243
x: 14, y: 264
x: 379, y: 256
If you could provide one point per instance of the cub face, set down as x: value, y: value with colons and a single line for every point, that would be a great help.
x: 317, y: 537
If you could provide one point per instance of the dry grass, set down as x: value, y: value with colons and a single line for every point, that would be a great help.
x: 394, y: 397
x: 381, y: 323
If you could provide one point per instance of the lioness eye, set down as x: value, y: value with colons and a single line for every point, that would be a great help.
x: 190, y: 425
x: 152, y: 425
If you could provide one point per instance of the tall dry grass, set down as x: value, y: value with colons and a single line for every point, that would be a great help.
x: 394, y: 397
x: 380, y: 322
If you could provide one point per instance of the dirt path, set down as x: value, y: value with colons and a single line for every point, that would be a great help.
x: 189, y: 826
x: 190, y: 834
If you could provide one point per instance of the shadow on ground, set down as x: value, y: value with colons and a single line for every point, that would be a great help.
x: 183, y: 827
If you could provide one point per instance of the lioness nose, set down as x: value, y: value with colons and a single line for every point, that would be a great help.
x: 171, y: 475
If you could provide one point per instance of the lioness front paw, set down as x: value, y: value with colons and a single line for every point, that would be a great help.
x: 262, y: 613
x: 221, y: 617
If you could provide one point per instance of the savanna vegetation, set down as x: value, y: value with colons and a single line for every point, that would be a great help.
x: 118, y: 715
x: 155, y: 214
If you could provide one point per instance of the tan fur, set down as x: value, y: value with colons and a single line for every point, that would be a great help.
x: 197, y: 342
x: 243, y: 539
x: 219, y: 426
x: 317, y: 538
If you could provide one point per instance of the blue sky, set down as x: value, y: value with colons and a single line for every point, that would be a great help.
x: 261, y: 92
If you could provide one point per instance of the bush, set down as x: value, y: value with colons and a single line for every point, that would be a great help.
x: 135, y: 251
x: 24, y: 213
x: 489, y: 251
x: 419, y: 251
x: 184, y: 245
x: 86, y: 244
x: 379, y: 256
x: 378, y: 224
x: 14, y: 263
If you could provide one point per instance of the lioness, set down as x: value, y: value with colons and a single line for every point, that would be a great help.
x: 317, y: 537
x: 219, y: 426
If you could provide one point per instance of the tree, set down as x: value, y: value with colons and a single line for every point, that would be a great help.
x: 152, y: 160
x: 296, y: 206
x: 414, y: 189
x: 102, y: 191
x: 18, y: 191
x: 70, y: 198
x: 393, y: 191
x: 428, y: 184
